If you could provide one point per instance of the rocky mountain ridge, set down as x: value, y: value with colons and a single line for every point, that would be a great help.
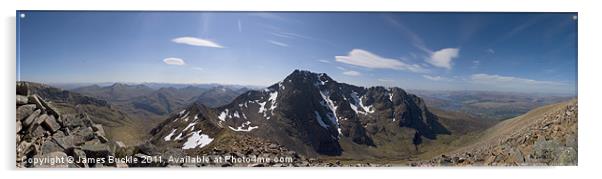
x: 310, y: 113
x: 44, y: 133
x: 544, y: 136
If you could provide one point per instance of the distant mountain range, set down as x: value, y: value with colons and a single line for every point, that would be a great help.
x: 488, y: 105
x: 146, y: 102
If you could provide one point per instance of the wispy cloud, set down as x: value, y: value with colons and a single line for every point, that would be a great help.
x: 196, y: 42
x: 491, y: 51
x: 324, y: 61
x: 509, y: 80
x: 414, y: 38
x: 282, y: 44
x: 443, y: 58
x: 198, y: 68
x: 174, y: 61
x: 352, y: 73
x: 517, y: 29
x: 239, y: 26
x: 363, y: 58
x: 435, y: 78
x: 296, y: 36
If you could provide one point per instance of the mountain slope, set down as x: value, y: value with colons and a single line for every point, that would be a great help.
x: 314, y: 115
x: 544, y: 136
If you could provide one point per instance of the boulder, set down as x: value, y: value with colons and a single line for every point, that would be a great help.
x: 19, y: 127
x: 50, y: 124
x: 35, y: 100
x: 37, y: 131
x: 120, y: 149
x: 101, y: 137
x: 72, y: 121
x: 97, y: 127
x: 24, y: 111
x: 31, y: 118
x: 67, y: 142
x: 79, y: 155
x: 49, y: 108
x: 21, y: 100
x: 96, y: 150
x: 49, y: 146
x: 87, y: 133
x: 23, y: 148
x: 59, y: 134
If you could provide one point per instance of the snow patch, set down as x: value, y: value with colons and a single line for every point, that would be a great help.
x: 168, y: 137
x: 179, y: 137
x: 261, y: 107
x: 358, y: 104
x: 272, y: 99
x: 197, y: 140
x: 222, y: 115
x: 241, y: 128
x: 333, y: 110
x: 189, y: 125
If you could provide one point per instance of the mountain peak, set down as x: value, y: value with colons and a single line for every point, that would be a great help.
x: 308, y: 76
x: 298, y: 72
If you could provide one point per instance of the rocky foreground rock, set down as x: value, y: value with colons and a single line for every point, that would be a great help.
x: 547, y: 137
x: 46, y: 138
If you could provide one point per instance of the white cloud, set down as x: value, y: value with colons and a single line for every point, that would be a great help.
x: 443, y: 58
x: 508, y: 80
x: 434, y: 78
x: 341, y: 68
x: 198, y: 68
x: 491, y: 51
x: 352, y: 73
x: 196, y: 42
x: 174, y: 61
x: 323, y: 61
x: 278, y: 43
x: 363, y: 58
x: 239, y: 26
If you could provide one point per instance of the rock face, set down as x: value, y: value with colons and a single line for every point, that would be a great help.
x: 312, y: 114
x: 545, y: 136
x: 44, y: 133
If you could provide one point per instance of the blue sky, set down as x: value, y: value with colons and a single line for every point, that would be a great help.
x: 520, y: 52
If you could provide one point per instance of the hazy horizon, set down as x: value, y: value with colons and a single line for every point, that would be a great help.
x: 506, y: 52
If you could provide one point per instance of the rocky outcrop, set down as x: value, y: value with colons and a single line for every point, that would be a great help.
x: 543, y: 137
x: 46, y: 138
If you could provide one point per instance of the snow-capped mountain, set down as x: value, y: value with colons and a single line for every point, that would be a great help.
x: 310, y: 113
